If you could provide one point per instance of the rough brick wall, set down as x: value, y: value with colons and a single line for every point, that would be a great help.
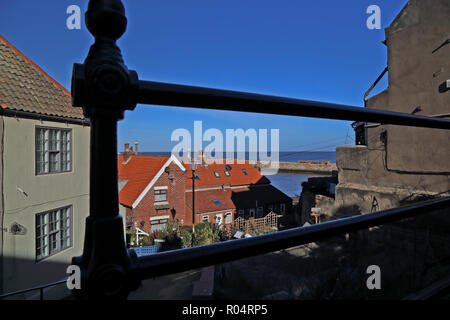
x: 175, y: 197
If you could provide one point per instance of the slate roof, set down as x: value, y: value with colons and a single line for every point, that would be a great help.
x: 24, y: 86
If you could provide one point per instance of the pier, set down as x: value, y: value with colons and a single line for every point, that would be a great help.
x: 303, y: 166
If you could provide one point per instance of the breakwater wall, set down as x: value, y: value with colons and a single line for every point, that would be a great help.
x: 302, y: 166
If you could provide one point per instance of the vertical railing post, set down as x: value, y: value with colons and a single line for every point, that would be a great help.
x: 104, y: 88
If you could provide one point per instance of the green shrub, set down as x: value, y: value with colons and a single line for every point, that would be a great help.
x: 206, y: 233
x: 186, y: 236
x: 143, y: 239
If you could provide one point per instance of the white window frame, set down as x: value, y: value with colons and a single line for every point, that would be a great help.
x: 205, y: 218
x: 158, y: 223
x: 219, y: 219
x: 160, y: 195
x: 228, y: 218
x: 53, y: 150
x: 53, y: 226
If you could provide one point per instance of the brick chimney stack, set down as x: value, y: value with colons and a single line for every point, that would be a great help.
x: 202, y: 158
x: 127, y: 152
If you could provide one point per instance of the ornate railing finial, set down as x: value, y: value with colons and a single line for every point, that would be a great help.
x: 103, y: 84
x: 106, y: 18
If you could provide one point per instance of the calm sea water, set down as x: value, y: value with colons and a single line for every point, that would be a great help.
x: 289, y: 183
x: 284, y: 156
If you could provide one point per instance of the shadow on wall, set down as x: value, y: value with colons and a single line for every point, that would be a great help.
x: 20, y: 274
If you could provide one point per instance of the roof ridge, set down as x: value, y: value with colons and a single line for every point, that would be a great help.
x: 34, y: 65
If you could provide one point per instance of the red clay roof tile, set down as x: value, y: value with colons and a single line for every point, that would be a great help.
x: 26, y: 87
x: 138, y: 171
x: 236, y: 175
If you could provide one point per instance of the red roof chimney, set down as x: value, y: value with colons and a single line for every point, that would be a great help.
x: 127, y: 152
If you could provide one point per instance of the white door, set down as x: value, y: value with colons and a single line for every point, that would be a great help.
x: 219, y: 219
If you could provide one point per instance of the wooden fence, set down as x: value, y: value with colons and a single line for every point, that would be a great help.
x: 252, y: 224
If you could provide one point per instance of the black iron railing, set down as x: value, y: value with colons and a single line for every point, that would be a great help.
x: 105, y: 88
x: 40, y: 288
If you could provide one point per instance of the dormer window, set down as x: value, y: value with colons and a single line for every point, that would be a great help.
x: 227, y: 173
x: 216, y: 174
x: 245, y: 172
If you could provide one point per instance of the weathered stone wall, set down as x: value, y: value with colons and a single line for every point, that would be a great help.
x: 401, y: 161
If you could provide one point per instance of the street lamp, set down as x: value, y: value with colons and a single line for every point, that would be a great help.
x: 193, y: 164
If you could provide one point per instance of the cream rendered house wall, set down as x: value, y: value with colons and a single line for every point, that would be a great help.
x: 27, y: 194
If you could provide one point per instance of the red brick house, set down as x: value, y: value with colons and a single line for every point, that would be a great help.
x: 225, y: 191
x: 152, y: 190
x: 212, y: 205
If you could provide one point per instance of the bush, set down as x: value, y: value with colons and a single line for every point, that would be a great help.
x: 176, y: 236
x: 206, y: 233
x: 186, y: 236
x: 143, y: 240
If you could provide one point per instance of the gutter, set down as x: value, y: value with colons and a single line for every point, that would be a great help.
x: 39, y: 116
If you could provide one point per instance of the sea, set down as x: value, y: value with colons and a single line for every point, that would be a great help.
x: 289, y: 183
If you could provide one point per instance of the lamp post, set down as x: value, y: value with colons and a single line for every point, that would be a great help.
x: 193, y: 165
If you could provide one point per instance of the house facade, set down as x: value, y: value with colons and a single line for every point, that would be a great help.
x: 44, y: 174
x: 154, y: 190
x: 151, y: 191
x: 225, y: 191
x: 393, y: 164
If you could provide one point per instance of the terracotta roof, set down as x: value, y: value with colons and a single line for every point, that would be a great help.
x: 26, y: 87
x: 210, y: 201
x: 138, y: 171
x: 236, y: 177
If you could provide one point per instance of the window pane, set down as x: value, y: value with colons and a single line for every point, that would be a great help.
x: 160, y: 195
x: 53, y: 232
x: 53, y: 150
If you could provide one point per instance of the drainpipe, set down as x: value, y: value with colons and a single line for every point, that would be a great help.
x: 2, y: 198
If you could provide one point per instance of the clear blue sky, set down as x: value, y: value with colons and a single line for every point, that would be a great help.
x: 318, y: 50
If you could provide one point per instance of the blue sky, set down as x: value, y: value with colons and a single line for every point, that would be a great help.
x: 317, y: 50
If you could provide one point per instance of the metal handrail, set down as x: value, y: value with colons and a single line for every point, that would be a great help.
x: 40, y: 288
x: 167, y: 94
x: 186, y: 259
